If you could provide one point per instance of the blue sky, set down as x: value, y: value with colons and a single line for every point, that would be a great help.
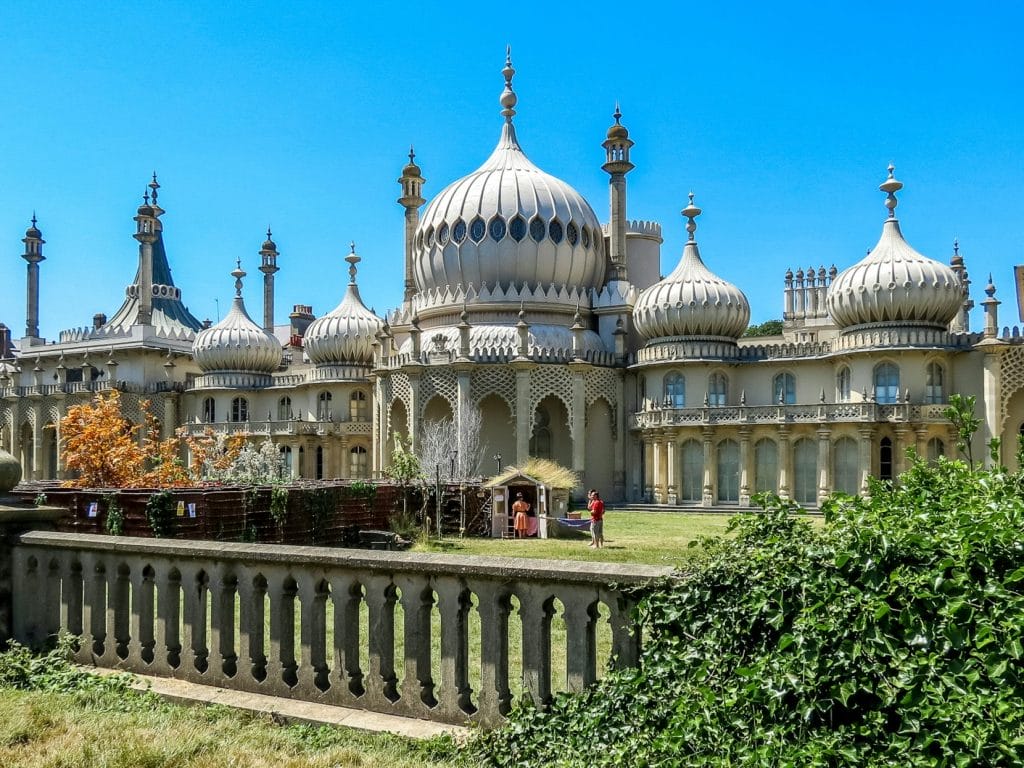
x: 780, y: 117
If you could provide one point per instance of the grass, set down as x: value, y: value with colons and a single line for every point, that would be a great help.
x: 117, y: 729
x: 630, y: 537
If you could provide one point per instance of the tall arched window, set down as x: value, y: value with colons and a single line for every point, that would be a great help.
x: 887, y: 383
x: 286, y: 459
x: 728, y: 471
x: 845, y: 470
x: 357, y: 406
x: 284, y: 408
x: 209, y: 410
x: 641, y: 393
x: 540, y: 441
x: 692, y: 486
x: 358, y: 462
x: 934, y: 390
x: 718, y: 389
x: 766, y: 466
x: 843, y: 385
x: 805, y: 471
x: 784, y: 389
x: 885, y: 459
x: 323, y: 406
x: 239, y: 409
x: 319, y: 462
x: 675, y: 390
x: 936, y: 448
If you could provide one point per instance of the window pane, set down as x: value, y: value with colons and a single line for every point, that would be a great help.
x: 692, y: 486
x: 728, y: 471
x: 805, y: 472
x: 766, y: 467
x: 847, y: 472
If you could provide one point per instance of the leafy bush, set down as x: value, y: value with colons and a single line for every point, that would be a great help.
x: 892, y: 637
x: 160, y: 514
x: 24, y: 670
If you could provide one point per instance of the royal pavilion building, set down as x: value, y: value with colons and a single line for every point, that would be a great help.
x: 551, y: 328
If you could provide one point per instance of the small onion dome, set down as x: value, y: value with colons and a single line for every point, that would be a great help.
x: 33, y: 230
x: 346, y: 333
x: 411, y: 169
x: 236, y: 343
x: 618, y: 130
x: 894, y: 283
x: 692, y: 301
x: 269, y: 244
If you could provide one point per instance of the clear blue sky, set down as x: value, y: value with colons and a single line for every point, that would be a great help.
x: 780, y: 117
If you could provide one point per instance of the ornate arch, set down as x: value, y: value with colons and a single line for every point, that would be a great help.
x: 551, y: 381
x: 496, y: 380
x: 439, y: 382
x: 1011, y: 380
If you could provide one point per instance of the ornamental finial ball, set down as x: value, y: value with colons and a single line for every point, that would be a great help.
x: 10, y: 472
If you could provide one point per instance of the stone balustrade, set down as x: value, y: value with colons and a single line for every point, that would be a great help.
x: 322, y: 624
x: 822, y: 413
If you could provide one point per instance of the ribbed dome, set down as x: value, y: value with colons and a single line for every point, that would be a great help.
x: 894, y: 283
x: 345, y: 334
x: 508, y: 223
x: 236, y: 343
x: 692, y: 301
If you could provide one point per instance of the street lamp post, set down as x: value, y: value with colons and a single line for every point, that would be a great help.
x: 497, y: 458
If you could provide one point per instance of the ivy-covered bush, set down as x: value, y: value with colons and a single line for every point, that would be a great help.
x: 890, y: 636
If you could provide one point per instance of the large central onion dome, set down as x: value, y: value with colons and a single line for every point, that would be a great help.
x: 894, y: 284
x: 692, y: 302
x: 507, y: 224
x: 236, y: 345
x: 344, y: 335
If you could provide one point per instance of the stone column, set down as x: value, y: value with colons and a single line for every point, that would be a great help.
x: 710, y: 470
x: 620, y: 433
x: 745, y: 472
x: 824, y: 463
x: 657, y: 479
x: 413, y: 416
x: 866, y: 440
x: 462, y: 404
x: 37, y: 442
x: 991, y: 391
x: 524, y: 411
x: 785, y: 463
x: 898, y: 449
x: 670, y: 461
x: 578, y: 418
x: 648, y: 479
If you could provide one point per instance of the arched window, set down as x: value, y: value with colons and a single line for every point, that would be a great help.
x: 692, y: 485
x: 843, y: 385
x: 284, y: 408
x: 540, y: 441
x: 887, y: 383
x: 885, y: 459
x: 718, y: 389
x: 319, y: 462
x: 784, y: 389
x: 845, y: 470
x: 936, y: 448
x: 766, y: 466
x: 209, y: 410
x: 934, y: 390
x: 728, y: 471
x: 358, y: 463
x: 286, y: 459
x: 323, y: 406
x: 239, y: 409
x: 675, y: 390
x: 641, y: 393
x: 805, y: 471
x: 357, y: 406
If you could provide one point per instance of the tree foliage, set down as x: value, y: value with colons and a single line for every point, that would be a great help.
x: 890, y: 636
x: 767, y: 328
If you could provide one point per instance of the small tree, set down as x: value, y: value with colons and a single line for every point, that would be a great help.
x: 101, y: 445
x: 405, y: 468
x: 961, y: 415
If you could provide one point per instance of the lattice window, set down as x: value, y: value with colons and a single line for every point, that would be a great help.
x: 396, y: 387
x: 601, y: 382
x: 554, y: 380
x: 494, y: 380
x: 437, y: 381
x: 1011, y: 380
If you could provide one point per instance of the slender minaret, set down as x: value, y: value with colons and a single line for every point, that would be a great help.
x: 962, y: 321
x: 146, y: 232
x: 268, y: 254
x: 411, y: 199
x: 617, y: 165
x: 33, y: 241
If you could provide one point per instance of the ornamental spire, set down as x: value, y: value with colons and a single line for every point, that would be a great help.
x: 238, y: 273
x: 891, y: 186
x: 353, y: 258
x: 508, y: 97
x: 691, y: 212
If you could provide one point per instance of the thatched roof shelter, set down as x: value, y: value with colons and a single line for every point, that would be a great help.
x: 541, y: 472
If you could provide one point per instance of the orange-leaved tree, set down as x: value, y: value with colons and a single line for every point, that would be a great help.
x: 101, y: 444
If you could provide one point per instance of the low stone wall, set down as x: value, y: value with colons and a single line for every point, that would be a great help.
x: 320, y: 624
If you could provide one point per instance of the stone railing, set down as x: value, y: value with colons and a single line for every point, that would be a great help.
x: 280, y: 428
x: 822, y: 413
x: 321, y: 624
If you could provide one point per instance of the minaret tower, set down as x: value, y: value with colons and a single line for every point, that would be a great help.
x: 268, y: 254
x: 962, y: 322
x: 411, y: 199
x: 146, y: 232
x: 617, y: 165
x: 33, y: 241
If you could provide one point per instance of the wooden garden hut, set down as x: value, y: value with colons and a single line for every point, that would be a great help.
x: 546, y: 486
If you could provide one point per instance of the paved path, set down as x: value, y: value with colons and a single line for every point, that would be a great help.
x: 288, y: 710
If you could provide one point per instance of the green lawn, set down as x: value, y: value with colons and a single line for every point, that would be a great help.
x: 654, y: 538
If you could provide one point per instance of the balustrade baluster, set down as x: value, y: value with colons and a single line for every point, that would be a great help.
x: 71, y: 594
x: 580, y: 637
x: 417, y: 681
x: 140, y: 630
x: 313, y: 671
x: 51, y: 602
x: 24, y: 608
x: 535, y: 608
x: 381, y: 682
x: 168, y: 619
x: 118, y: 613
x: 453, y: 603
x: 252, y: 592
x: 281, y: 665
x: 94, y: 580
x: 625, y: 631
x: 347, y: 679
x: 494, y: 607
x: 222, y: 623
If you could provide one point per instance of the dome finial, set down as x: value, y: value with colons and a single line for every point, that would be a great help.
x: 508, y: 97
x: 238, y: 273
x: 33, y: 219
x: 154, y: 185
x: 691, y: 212
x: 412, y: 155
x: 891, y: 186
x: 352, y: 260
x: 618, y: 112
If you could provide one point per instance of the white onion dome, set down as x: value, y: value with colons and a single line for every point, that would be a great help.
x: 346, y: 333
x: 507, y: 224
x: 894, y: 284
x: 236, y: 344
x: 692, y: 302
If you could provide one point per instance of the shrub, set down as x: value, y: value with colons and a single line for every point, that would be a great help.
x: 890, y: 637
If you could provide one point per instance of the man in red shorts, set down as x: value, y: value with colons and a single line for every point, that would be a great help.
x: 596, y: 507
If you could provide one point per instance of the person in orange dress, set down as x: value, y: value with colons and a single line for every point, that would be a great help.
x: 520, y: 508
